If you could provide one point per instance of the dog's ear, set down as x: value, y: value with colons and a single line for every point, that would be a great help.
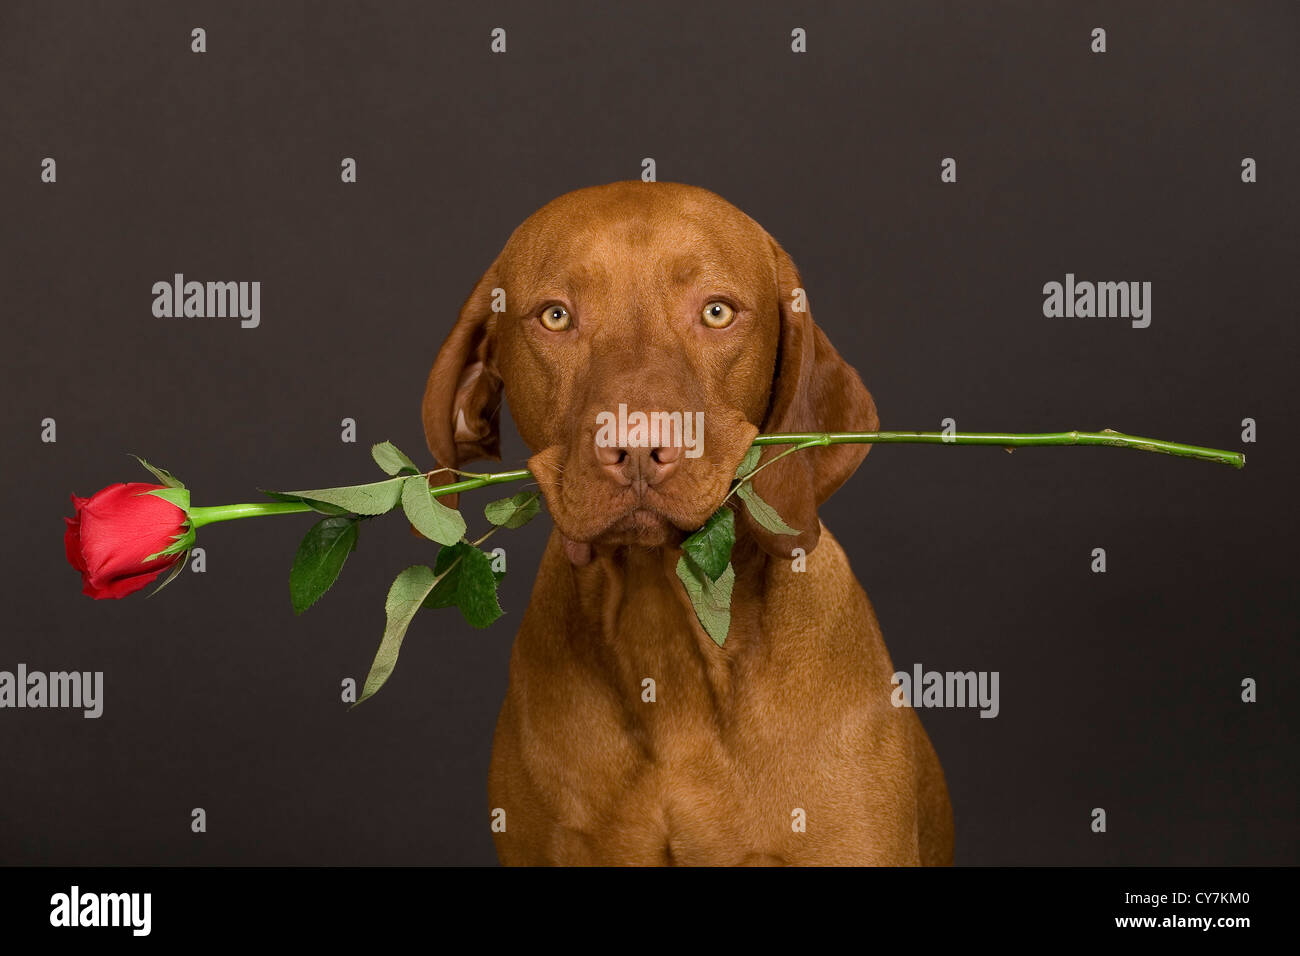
x: 813, y: 390
x: 462, y: 400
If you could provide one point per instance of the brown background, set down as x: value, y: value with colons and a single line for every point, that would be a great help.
x: 1118, y: 690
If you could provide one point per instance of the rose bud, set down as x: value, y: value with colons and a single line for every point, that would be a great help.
x: 124, y: 536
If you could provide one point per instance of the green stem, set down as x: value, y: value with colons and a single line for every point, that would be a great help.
x: 469, y: 484
x: 1007, y: 440
x: 771, y: 461
x: 201, y: 516
x: 799, y: 440
x: 495, y: 528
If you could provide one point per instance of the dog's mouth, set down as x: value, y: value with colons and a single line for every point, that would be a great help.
x: 590, y: 513
x: 642, y: 526
x: 626, y: 518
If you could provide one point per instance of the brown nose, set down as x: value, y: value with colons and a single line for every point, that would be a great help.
x: 643, y: 467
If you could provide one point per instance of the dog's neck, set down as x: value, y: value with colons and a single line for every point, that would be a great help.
x: 631, y: 617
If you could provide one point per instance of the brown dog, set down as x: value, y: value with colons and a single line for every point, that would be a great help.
x: 780, y: 746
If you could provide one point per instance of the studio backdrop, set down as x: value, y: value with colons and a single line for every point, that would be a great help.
x: 948, y: 178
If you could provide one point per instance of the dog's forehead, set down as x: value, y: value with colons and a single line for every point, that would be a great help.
x: 667, y: 231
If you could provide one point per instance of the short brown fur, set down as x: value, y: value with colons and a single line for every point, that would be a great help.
x: 793, y: 712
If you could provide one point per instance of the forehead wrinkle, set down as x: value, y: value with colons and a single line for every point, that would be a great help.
x: 686, y: 275
x: 702, y: 275
x: 683, y: 270
x: 632, y: 255
x: 573, y: 281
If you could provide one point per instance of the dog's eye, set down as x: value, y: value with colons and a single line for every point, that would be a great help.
x: 718, y: 315
x: 556, y: 318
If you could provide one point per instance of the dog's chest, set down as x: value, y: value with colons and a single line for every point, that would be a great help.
x: 628, y: 737
x: 683, y: 766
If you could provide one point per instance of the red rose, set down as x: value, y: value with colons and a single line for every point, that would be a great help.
x: 114, y: 531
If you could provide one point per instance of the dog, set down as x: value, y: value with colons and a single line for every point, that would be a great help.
x: 627, y: 735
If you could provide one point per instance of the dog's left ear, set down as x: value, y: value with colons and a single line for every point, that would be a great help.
x: 462, y: 400
x: 813, y: 390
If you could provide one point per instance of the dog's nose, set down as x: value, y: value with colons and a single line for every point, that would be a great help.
x: 645, y: 467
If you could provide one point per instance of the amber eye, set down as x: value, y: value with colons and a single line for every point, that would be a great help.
x: 718, y: 315
x: 556, y: 318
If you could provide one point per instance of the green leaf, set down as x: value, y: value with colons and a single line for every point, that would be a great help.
x: 444, y: 591
x: 390, y: 458
x: 476, y: 595
x: 711, y: 599
x: 183, y: 540
x: 177, y: 568
x: 710, y: 547
x: 430, y: 516
x: 514, y: 512
x: 180, y: 497
x: 319, y: 560
x: 763, y: 513
x: 750, y: 461
x: 319, y: 506
x: 449, y: 568
x: 162, y: 474
x: 376, y: 498
x: 410, y: 588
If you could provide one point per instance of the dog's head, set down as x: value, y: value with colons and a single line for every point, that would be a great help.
x: 616, y: 321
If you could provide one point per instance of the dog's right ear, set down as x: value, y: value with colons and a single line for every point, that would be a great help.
x: 813, y: 390
x: 462, y: 400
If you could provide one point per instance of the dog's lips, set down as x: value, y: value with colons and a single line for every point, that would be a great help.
x: 640, y: 522
x: 642, y: 525
x: 589, y: 510
x: 648, y: 520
